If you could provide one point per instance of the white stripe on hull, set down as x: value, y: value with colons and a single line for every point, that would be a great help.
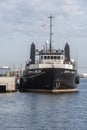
x: 39, y: 66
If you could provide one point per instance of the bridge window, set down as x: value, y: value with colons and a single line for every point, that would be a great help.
x: 58, y: 57
x: 51, y: 57
x: 45, y: 57
x: 48, y: 57
x: 41, y: 57
x: 54, y: 57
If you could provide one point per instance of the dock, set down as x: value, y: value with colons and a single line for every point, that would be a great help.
x: 7, y: 84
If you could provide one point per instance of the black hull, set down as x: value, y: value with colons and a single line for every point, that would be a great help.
x: 49, y: 79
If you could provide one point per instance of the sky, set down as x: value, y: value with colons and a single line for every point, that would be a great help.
x: 21, y: 24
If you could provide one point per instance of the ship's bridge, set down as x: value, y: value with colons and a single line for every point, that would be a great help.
x: 51, y: 59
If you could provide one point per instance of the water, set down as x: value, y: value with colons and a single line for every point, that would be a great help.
x: 38, y: 111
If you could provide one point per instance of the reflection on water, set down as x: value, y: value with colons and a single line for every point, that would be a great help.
x: 38, y: 111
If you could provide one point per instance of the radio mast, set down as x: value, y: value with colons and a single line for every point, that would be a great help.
x: 51, y: 17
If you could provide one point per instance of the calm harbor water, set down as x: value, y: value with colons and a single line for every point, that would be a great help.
x: 38, y: 111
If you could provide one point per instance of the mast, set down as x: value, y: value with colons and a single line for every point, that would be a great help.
x: 51, y: 17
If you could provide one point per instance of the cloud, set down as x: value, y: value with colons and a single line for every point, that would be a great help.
x: 24, y: 10
x: 71, y: 8
x: 27, y: 17
x: 21, y: 20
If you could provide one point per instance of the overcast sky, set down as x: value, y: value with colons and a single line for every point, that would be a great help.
x: 21, y: 23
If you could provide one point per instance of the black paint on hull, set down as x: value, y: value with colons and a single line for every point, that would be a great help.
x: 49, y: 79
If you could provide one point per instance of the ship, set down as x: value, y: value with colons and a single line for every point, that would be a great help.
x: 52, y: 71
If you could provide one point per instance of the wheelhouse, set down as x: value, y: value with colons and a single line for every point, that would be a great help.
x: 51, y: 58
